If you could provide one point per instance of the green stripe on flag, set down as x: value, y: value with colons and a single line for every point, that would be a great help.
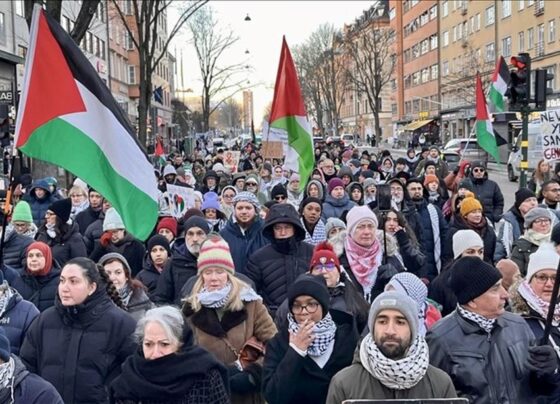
x: 486, y: 139
x: 62, y: 144
x: 497, y: 99
x: 300, y: 140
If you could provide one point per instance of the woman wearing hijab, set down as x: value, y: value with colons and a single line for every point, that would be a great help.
x: 310, y: 212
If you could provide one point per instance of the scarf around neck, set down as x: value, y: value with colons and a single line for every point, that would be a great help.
x: 125, y: 293
x: 7, y: 373
x: 217, y: 299
x: 364, y: 261
x: 536, y: 237
x: 401, y: 374
x: 324, y: 332
x: 538, y: 304
x: 487, y: 324
x: 6, y: 294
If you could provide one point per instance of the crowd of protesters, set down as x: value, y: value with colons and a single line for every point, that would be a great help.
x: 375, y: 278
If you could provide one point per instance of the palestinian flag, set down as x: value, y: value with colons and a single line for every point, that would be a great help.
x: 499, y: 86
x: 159, y: 153
x: 484, y: 130
x: 68, y: 117
x: 288, y: 115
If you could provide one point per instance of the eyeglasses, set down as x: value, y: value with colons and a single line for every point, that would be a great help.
x: 251, y: 184
x: 545, y: 278
x: 279, y: 197
x: 478, y: 170
x: 329, y: 267
x: 542, y: 221
x: 309, y: 307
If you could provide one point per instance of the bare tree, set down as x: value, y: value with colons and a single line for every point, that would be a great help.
x: 142, y: 21
x: 371, y: 63
x: 229, y: 114
x: 54, y: 8
x: 211, y: 42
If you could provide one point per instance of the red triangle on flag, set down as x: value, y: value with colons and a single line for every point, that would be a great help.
x: 51, y: 88
x: 159, y: 148
x: 481, y: 109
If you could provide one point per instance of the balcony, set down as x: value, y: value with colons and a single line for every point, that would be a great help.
x: 539, y: 7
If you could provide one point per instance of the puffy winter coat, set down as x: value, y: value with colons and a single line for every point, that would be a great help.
x: 490, y: 196
x: 487, y: 235
x: 39, y: 207
x: 273, y: 271
x: 28, y: 388
x: 509, y: 228
x: 130, y: 248
x: 87, y: 217
x: 16, y: 319
x: 65, y: 246
x: 149, y: 275
x: 290, y: 378
x: 336, y: 207
x: 39, y: 290
x: 172, y: 279
x: 520, y: 252
x: 487, y: 368
x: 243, y: 245
x: 93, y: 233
x: 138, y: 304
x: 14, y: 249
x: 79, y: 349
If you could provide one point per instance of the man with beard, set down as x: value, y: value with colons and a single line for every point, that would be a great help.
x: 92, y: 212
x: 433, y: 230
x: 275, y: 267
x: 327, y: 167
x: 392, y: 360
x: 335, y: 229
x: 488, y: 352
x: 243, y: 230
x: 433, y: 155
x: 184, y: 262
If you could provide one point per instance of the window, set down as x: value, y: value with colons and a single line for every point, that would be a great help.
x: 490, y: 52
x: 454, y: 33
x: 459, y: 31
x: 490, y: 15
x: 521, y: 39
x: 445, y: 38
x: 20, y: 9
x: 424, y: 47
x: 433, y: 12
x: 477, y: 22
x: 128, y: 9
x: 131, y: 74
x: 392, y: 13
x: 394, y: 109
x: 444, y: 9
x: 2, y: 28
x: 506, y: 8
x: 433, y: 42
x: 415, y: 78
x: 552, y: 70
x: 445, y: 68
x: 506, y: 46
x: 22, y: 51
x: 551, y: 31
x: 540, y: 40
x: 100, y: 14
x: 530, y: 38
x: 425, y: 75
x: 434, y: 72
x: 407, y: 82
x: 102, y: 49
x: 521, y: 5
x: 465, y: 29
x: 530, y: 2
x: 434, y: 102
x: 407, y: 107
x: 415, y: 106
x: 129, y: 42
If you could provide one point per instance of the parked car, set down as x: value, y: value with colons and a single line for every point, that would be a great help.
x: 467, y: 149
x: 347, y: 139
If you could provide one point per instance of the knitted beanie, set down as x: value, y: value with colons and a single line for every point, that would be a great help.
x: 394, y: 300
x: 359, y: 214
x: 112, y: 220
x: 278, y: 190
x: 169, y: 223
x: 466, y: 183
x: 545, y: 257
x: 471, y: 277
x: 116, y: 256
x: 430, y: 178
x: 215, y: 253
x: 307, y: 201
x: 246, y: 196
x: 160, y: 240
x: 310, y: 285
x: 465, y: 239
x: 333, y: 183
x: 4, y: 346
x: 468, y: 205
x: 333, y: 223
x: 323, y: 253
x: 197, y: 221
x: 210, y: 201
x: 47, y: 253
x: 521, y: 195
x: 22, y: 213
x: 62, y: 209
x: 534, y: 214
x: 169, y: 170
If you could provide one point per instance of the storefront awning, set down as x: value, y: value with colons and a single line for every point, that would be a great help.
x: 417, y: 124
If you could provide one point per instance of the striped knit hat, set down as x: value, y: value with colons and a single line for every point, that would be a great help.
x: 215, y: 253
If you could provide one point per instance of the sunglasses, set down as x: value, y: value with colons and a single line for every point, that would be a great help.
x: 279, y: 198
x: 478, y: 170
x: 251, y: 184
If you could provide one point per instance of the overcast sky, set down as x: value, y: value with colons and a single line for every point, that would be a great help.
x: 262, y: 36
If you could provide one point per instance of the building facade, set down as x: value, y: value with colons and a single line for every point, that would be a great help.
x: 247, y: 117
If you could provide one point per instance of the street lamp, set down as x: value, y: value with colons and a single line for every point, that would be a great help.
x: 247, y: 18
x: 246, y: 51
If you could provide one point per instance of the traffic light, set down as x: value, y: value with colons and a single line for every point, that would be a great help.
x: 542, y: 77
x: 519, y: 90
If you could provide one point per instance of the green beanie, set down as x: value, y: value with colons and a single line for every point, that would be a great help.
x: 22, y: 212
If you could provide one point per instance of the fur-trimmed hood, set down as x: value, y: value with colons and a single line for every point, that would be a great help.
x: 517, y: 303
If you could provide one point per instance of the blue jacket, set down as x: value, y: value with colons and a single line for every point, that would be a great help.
x: 242, y: 246
x: 16, y: 319
x: 39, y: 206
x: 336, y: 207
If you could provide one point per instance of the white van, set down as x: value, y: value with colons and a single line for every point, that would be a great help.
x: 347, y: 139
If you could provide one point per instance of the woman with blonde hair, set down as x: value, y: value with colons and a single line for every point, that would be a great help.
x: 229, y: 319
x: 80, y: 201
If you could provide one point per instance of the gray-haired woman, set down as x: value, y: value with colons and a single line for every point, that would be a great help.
x: 169, y: 368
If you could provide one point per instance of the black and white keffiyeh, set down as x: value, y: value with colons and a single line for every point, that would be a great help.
x: 217, y: 299
x: 324, y: 332
x: 401, y: 374
x: 6, y: 294
x: 6, y: 373
x: 487, y: 324
x: 125, y: 293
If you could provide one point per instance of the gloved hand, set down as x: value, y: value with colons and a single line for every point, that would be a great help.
x: 542, y: 360
x: 105, y: 238
x: 241, y: 382
x: 456, y: 170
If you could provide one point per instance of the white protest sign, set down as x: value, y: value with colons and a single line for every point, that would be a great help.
x: 550, y: 133
x: 177, y: 200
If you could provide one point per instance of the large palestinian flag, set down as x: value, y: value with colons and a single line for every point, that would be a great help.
x: 68, y: 117
x: 288, y: 114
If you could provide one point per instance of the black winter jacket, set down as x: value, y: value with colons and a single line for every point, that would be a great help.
x: 16, y: 319
x: 65, y: 246
x: 14, y: 249
x: 487, y: 368
x: 39, y: 290
x: 274, y: 272
x: 149, y: 275
x: 290, y: 378
x: 487, y: 235
x: 172, y: 279
x: 93, y: 233
x: 242, y: 246
x: 79, y: 349
x: 87, y: 217
x: 520, y: 252
x: 490, y: 196
x: 130, y: 248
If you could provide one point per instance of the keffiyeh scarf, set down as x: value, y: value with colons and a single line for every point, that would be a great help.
x: 216, y: 299
x: 324, y: 332
x: 538, y: 304
x: 364, y: 261
x: 401, y: 374
x: 487, y: 324
x: 125, y: 294
x: 6, y: 373
x: 6, y: 294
